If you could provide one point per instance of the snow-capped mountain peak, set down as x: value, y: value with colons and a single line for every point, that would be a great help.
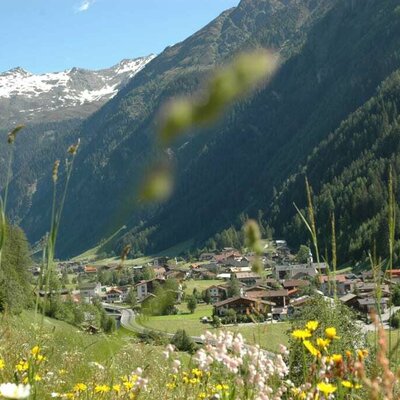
x: 71, y: 93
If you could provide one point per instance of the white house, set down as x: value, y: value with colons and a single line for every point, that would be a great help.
x: 90, y: 291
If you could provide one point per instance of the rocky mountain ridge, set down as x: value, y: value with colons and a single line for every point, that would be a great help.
x: 73, y: 93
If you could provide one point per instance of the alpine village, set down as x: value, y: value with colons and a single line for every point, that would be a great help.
x: 200, y: 200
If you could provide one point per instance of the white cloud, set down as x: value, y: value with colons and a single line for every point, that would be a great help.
x: 85, y: 5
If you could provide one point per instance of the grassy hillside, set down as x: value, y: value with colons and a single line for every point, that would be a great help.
x: 268, y: 336
x: 72, y: 356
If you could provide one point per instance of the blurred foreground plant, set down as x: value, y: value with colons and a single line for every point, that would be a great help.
x: 3, y: 201
x: 245, y: 73
x: 47, y: 271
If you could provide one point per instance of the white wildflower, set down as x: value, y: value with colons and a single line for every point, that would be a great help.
x: 13, y: 391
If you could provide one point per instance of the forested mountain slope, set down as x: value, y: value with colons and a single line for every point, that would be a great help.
x: 349, y: 172
x: 117, y: 140
x: 36, y: 148
x: 346, y: 56
x: 334, y: 56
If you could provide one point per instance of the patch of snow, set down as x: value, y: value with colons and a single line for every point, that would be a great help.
x: 70, y: 88
x: 133, y: 66
x: 26, y: 84
x: 96, y: 95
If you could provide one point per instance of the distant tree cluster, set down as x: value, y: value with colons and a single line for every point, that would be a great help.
x: 79, y: 314
x: 163, y: 302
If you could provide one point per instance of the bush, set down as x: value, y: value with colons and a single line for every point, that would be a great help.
x: 231, y: 317
x: 108, y: 324
x: 396, y: 296
x: 164, y: 301
x: 191, y: 303
x: 242, y: 319
x: 216, y: 321
x: 152, y: 337
x: 394, y: 320
x: 183, y: 342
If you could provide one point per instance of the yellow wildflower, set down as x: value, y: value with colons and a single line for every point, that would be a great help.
x: 22, y: 366
x: 326, y: 388
x: 37, y: 378
x: 196, y: 372
x: 301, y: 334
x: 116, y: 388
x: 350, y: 385
x: 102, y: 389
x: 323, y: 343
x: 35, y: 350
x: 331, y: 333
x: 337, y: 358
x: 221, y: 387
x: 128, y: 385
x: 2, y: 364
x: 309, y: 346
x: 312, y: 325
x: 299, y: 393
x: 80, y: 387
x: 171, y: 385
x: 362, y: 354
x: 202, y: 395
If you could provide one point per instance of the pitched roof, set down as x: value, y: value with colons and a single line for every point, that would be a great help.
x: 367, y: 301
x: 277, y: 293
x: 256, y: 294
x: 222, y: 287
x: 295, y: 282
x: 304, y: 273
x: 244, y: 275
x: 254, y: 288
x: 299, y: 300
x: 150, y: 280
x: 370, y: 287
x: 146, y: 297
x: 114, y: 291
x: 347, y: 297
x: 246, y: 299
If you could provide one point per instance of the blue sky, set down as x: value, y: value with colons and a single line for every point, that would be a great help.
x: 53, y: 35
